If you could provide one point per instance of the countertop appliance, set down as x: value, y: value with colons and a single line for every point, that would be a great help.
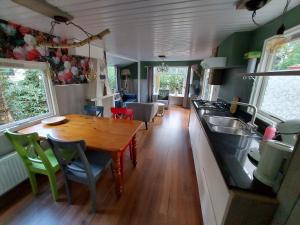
x: 289, y: 131
x: 273, y: 155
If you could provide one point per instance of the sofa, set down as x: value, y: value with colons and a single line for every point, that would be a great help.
x: 143, y: 111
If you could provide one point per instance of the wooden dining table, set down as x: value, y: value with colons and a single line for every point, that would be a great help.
x: 100, y: 134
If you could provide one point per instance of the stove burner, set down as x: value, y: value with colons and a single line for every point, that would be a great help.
x: 211, y: 105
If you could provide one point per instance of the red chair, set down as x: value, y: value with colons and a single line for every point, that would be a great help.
x: 126, y: 114
x: 122, y: 113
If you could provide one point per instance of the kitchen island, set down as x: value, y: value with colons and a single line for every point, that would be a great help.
x: 229, y: 194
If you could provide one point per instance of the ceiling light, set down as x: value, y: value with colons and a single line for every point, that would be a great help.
x: 163, y: 67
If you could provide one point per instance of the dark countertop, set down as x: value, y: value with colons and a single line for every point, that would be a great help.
x: 231, y: 154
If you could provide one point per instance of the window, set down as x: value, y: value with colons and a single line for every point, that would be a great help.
x: 277, y: 97
x: 174, y: 80
x: 25, y: 93
x: 112, y: 78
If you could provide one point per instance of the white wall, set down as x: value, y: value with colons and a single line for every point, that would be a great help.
x: 71, y: 98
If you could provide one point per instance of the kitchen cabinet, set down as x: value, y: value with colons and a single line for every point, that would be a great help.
x: 219, y: 204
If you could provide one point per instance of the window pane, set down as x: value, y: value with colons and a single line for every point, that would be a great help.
x: 173, y: 80
x: 281, y: 97
x: 287, y: 57
x: 112, y: 78
x: 22, y: 94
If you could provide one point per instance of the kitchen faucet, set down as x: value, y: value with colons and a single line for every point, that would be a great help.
x: 252, y: 122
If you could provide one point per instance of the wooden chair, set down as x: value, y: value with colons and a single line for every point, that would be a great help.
x: 36, y: 159
x: 93, y: 110
x: 79, y: 165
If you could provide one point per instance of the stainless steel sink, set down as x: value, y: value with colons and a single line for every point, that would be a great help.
x: 227, y: 125
x: 230, y: 130
x: 225, y: 121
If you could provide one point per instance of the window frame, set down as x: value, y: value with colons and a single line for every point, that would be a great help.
x: 184, y: 81
x: 260, y: 82
x: 116, y: 74
x: 49, y: 91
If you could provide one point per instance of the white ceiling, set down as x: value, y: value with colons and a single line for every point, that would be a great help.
x: 113, y: 60
x: 143, y: 29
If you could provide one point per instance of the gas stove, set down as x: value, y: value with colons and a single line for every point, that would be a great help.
x: 211, y: 105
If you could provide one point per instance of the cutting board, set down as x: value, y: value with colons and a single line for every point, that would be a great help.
x: 233, y: 107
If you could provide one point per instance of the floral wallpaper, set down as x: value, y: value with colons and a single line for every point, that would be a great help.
x: 21, y: 43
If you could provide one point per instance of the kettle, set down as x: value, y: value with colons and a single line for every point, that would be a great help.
x: 273, y: 155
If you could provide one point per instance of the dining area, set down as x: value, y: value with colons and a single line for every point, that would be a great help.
x: 82, y: 146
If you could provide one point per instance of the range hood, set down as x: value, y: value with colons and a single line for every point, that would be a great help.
x: 214, y: 63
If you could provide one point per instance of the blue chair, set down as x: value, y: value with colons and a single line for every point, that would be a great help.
x: 79, y: 165
x: 93, y: 110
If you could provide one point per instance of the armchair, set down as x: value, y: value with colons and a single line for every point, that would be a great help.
x: 163, y: 97
x: 143, y: 111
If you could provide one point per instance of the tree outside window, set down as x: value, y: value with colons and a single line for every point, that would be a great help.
x: 173, y: 80
x: 112, y: 78
x: 22, y: 94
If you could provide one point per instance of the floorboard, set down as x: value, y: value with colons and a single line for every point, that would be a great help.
x: 162, y: 190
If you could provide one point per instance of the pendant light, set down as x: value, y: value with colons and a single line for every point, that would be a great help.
x: 163, y: 67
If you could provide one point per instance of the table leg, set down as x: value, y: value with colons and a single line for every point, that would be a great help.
x: 134, y: 151
x: 118, y: 170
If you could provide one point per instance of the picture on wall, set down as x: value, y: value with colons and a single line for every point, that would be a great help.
x: 21, y: 43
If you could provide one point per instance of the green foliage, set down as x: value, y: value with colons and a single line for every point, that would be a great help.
x: 287, y: 55
x: 24, y: 97
x: 112, y: 77
x: 172, y: 82
x: 173, y: 79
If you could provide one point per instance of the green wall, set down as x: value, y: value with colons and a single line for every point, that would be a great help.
x: 133, y: 67
x: 234, y: 48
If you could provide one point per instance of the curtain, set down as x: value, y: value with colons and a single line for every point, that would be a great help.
x: 187, y: 89
x: 118, y: 72
x: 150, y: 83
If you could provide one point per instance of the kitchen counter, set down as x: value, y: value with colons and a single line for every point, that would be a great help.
x: 231, y: 155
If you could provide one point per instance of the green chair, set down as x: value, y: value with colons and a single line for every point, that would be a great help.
x: 36, y: 159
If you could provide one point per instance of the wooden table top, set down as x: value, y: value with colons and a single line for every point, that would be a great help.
x: 98, y: 133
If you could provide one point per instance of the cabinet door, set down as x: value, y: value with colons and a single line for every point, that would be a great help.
x: 219, y: 193
x: 208, y: 214
x: 196, y: 143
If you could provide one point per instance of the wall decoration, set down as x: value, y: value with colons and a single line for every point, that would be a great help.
x: 19, y: 42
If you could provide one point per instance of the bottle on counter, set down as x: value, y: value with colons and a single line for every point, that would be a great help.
x: 270, y: 133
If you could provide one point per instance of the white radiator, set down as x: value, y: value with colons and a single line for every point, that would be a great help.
x: 12, y: 172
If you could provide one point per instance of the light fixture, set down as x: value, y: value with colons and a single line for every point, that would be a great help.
x: 163, y: 67
x: 61, y: 17
x: 126, y: 73
x: 279, y: 39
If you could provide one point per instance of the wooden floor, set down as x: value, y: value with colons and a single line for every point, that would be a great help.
x: 162, y: 190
